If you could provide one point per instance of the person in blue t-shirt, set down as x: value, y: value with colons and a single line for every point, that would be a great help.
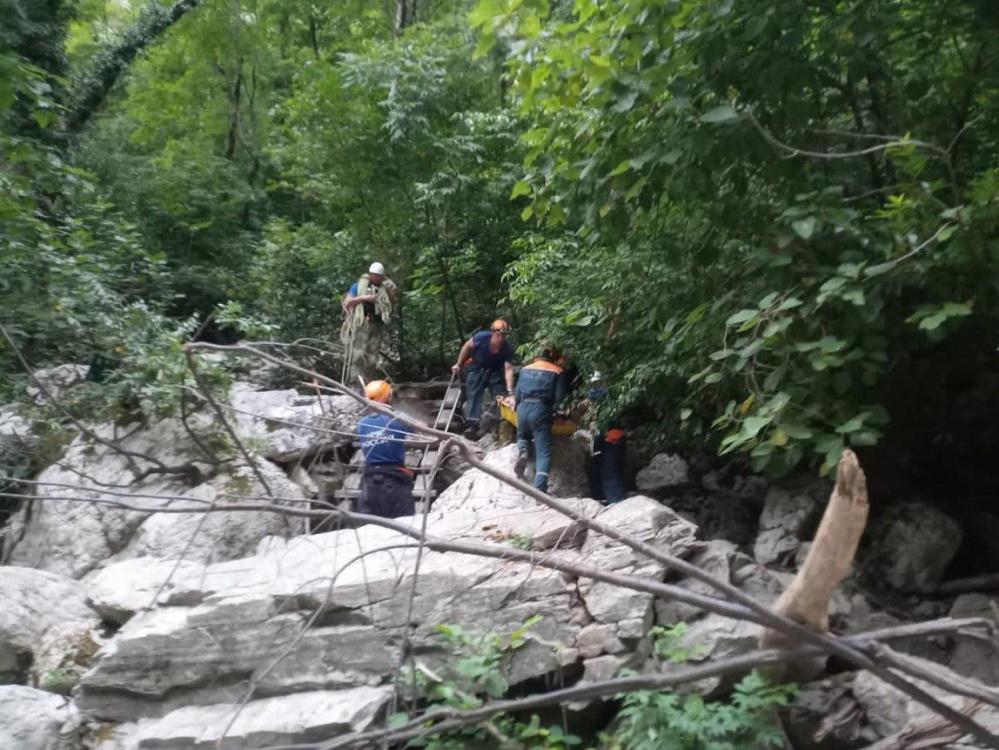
x: 488, y: 361
x: 387, y: 484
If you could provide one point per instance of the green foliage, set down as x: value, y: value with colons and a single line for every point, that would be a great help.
x: 61, y: 681
x: 650, y: 720
x: 478, y: 673
x: 666, y: 721
x: 734, y: 238
x: 521, y: 541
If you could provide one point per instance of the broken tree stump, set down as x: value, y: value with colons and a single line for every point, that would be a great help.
x: 806, y: 599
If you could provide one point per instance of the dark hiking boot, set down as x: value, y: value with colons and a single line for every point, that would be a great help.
x: 520, y: 467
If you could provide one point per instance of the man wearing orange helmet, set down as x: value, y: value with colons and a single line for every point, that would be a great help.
x: 387, y: 484
x: 488, y: 361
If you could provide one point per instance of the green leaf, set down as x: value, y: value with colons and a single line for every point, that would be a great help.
x: 789, y: 304
x: 743, y: 316
x: 854, y: 424
x: 752, y: 425
x: 621, y: 168
x: 804, y: 228
x: 522, y: 187
x: 723, y: 113
x: 767, y: 301
x: 796, y: 430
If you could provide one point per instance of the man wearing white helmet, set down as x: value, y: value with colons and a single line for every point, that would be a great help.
x: 367, y: 309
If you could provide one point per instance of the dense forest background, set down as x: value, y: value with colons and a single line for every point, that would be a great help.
x: 772, y: 224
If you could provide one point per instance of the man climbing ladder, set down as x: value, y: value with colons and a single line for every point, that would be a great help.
x: 367, y: 308
x: 387, y: 484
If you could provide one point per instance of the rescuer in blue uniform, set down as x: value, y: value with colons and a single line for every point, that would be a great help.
x: 609, y: 445
x: 488, y: 361
x: 387, y: 484
x: 540, y: 388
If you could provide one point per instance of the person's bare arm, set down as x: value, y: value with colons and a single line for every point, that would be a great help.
x: 465, y: 353
x: 508, y: 376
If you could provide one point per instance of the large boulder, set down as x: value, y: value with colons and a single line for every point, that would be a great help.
x: 44, y: 620
x: 285, y: 426
x: 17, y: 446
x: 895, y: 717
x: 56, y: 380
x: 910, y: 546
x: 714, y: 558
x: 322, y: 612
x: 32, y: 719
x: 304, y: 717
x: 219, y: 535
x: 89, y: 508
x: 17, y: 442
x: 664, y: 473
x: 972, y: 657
x: 649, y: 521
x: 789, y: 517
x: 481, y: 507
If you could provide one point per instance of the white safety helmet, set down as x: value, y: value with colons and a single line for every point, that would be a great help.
x: 596, y: 377
x: 377, y: 268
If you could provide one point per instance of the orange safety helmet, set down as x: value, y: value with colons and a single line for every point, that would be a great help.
x: 500, y: 325
x: 378, y: 390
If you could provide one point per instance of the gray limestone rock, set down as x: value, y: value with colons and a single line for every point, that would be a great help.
x: 971, y: 657
x: 288, y: 425
x: 910, y: 546
x: 32, y: 719
x: 304, y: 717
x: 788, y: 518
x: 664, y: 473
x: 56, y: 380
x: 78, y: 526
x: 38, y: 610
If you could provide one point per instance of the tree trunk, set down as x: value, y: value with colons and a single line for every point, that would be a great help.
x: 97, y: 83
x: 806, y: 599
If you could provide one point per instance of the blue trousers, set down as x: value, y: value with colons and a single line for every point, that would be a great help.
x: 534, y: 422
x: 607, y: 470
x: 387, y: 492
x: 477, y: 380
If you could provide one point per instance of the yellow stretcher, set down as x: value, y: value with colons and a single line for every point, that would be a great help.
x: 561, y: 425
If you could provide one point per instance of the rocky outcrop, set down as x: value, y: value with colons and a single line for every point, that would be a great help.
x: 44, y: 617
x: 35, y: 720
x: 788, y: 518
x: 285, y: 426
x: 321, y: 612
x: 971, y: 657
x: 895, y: 717
x: 17, y: 441
x: 480, y: 507
x: 664, y: 473
x: 910, y: 547
x: 56, y: 381
x: 94, y: 511
x: 308, y: 716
